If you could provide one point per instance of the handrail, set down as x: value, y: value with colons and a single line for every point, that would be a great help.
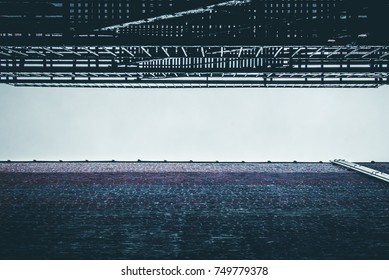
x: 362, y: 169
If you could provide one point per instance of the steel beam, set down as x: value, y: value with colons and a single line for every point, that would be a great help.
x: 273, y: 81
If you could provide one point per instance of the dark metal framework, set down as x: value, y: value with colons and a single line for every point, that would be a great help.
x: 165, y: 43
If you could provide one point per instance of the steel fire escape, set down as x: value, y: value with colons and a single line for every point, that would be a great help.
x: 161, y: 43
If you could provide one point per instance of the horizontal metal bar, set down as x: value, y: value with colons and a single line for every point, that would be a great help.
x: 203, y: 69
x: 194, y: 81
x: 214, y: 75
x: 175, y: 86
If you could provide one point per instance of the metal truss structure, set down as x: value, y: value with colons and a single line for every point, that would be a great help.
x: 103, y: 57
x: 195, y: 66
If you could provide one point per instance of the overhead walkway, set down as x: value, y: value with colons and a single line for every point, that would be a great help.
x: 362, y: 169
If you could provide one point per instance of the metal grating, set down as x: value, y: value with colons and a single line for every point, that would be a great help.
x: 170, y: 43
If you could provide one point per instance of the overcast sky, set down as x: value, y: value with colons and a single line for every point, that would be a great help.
x: 194, y: 124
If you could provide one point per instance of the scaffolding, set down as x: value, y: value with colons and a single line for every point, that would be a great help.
x: 164, y: 43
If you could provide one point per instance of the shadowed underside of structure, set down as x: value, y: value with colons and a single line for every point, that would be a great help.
x: 207, y: 43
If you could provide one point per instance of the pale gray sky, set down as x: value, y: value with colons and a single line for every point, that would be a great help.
x: 196, y: 124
